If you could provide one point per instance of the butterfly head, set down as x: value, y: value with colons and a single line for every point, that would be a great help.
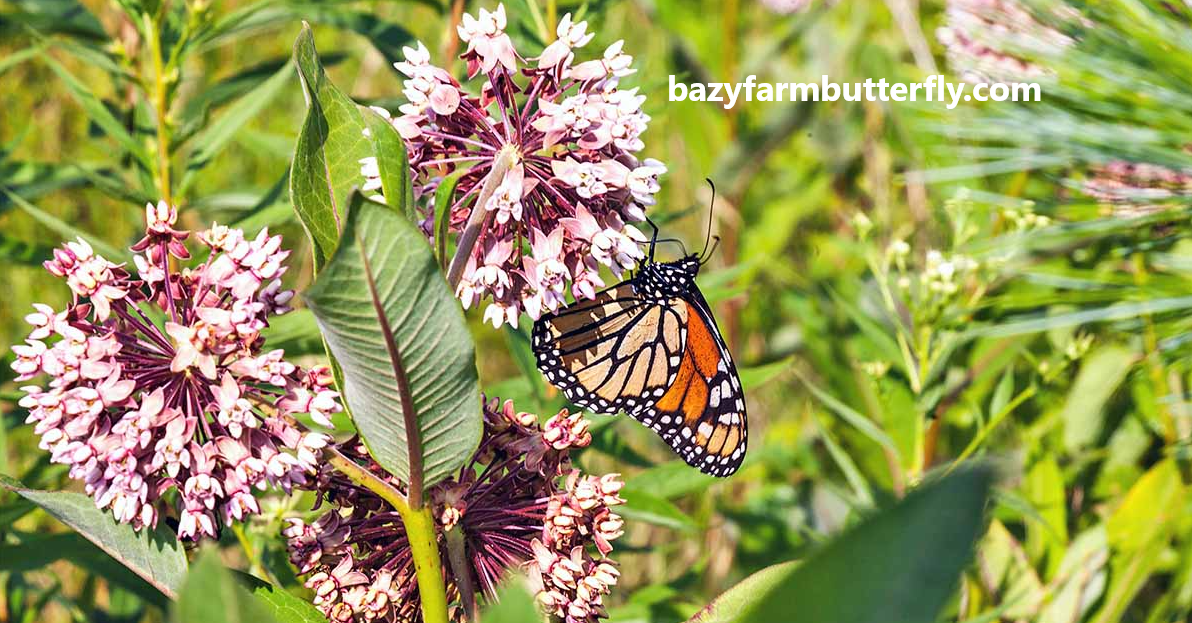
x: 666, y: 280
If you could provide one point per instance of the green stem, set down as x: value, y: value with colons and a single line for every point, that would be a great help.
x: 420, y: 530
x: 973, y: 445
x: 161, y: 107
x: 457, y: 555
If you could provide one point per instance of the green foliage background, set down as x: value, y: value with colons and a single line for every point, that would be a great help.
x: 1063, y: 357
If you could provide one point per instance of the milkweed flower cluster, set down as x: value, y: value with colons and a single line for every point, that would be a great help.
x: 159, y: 382
x: 566, y: 136
x: 517, y: 504
x: 989, y: 41
x: 786, y: 7
x: 1136, y: 188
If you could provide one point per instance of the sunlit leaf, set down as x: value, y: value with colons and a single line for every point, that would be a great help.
x: 154, y: 554
x: 901, y: 565
x: 391, y: 322
x: 327, y: 159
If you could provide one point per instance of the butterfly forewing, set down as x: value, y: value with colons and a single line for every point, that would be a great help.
x: 650, y: 347
x: 616, y: 352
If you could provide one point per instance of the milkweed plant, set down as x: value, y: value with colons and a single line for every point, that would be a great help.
x: 270, y: 349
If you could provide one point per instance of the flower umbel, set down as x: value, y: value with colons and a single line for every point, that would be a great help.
x: 161, y: 382
x: 517, y: 504
x: 997, y: 40
x: 561, y: 208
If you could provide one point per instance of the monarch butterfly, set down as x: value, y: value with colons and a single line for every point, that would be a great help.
x: 649, y: 346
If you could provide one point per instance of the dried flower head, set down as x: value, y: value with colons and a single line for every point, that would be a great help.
x: 161, y: 382
x: 559, y: 139
x: 996, y: 41
x: 517, y: 504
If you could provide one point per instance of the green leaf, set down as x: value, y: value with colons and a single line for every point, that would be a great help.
x: 37, y: 551
x: 15, y: 251
x: 514, y: 604
x: 899, y: 566
x: 98, y: 112
x: 327, y: 158
x: 741, y: 597
x: 1149, y: 510
x: 393, y: 163
x: 645, y: 507
x: 60, y: 227
x: 756, y: 376
x: 392, y: 324
x: 154, y: 554
x: 443, y: 198
x: 1100, y: 375
x: 670, y: 480
x: 284, y: 607
x: 212, y: 594
x: 211, y: 140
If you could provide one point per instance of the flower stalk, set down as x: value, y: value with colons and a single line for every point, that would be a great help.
x: 161, y: 108
x: 420, y: 528
x: 506, y: 158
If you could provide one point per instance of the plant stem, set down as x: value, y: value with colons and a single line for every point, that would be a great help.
x: 161, y: 108
x: 505, y: 159
x: 457, y: 555
x: 420, y: 530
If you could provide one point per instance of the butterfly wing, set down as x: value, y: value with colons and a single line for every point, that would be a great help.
x: 616, y: 352
x: 702, y: 414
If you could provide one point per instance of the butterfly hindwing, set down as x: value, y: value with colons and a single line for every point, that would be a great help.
x: 702, y: 415
x: 617, y: 352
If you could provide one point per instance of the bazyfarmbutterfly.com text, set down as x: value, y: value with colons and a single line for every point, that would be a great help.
x: 934, y: 89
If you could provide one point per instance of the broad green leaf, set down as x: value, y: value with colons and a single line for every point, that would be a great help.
x: 741, y: 597
x: 212, y: 594
x: 514, y: 604
x: 899, y: 566
x: 1150, y: 509
x: 98, y: 112
x: 1101, y: 372
x: 391, y: 321
x: 154, y: 554
x: 211, y: 140
x: 393, y: 163
x: 327, y: 158
x: 37, y: 551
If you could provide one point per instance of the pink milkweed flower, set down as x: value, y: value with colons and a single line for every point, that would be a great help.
x: 567, y: 136
x: 518, y: 506
x: 159, y: 384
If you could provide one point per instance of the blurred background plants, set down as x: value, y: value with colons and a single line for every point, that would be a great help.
x: 907, y: 288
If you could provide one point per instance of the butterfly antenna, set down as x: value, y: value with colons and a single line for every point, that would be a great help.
x: 708, y: 235
x: 715, y: 243
x: 653, y: 238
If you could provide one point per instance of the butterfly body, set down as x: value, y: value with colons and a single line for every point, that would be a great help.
x: 649, y: 346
